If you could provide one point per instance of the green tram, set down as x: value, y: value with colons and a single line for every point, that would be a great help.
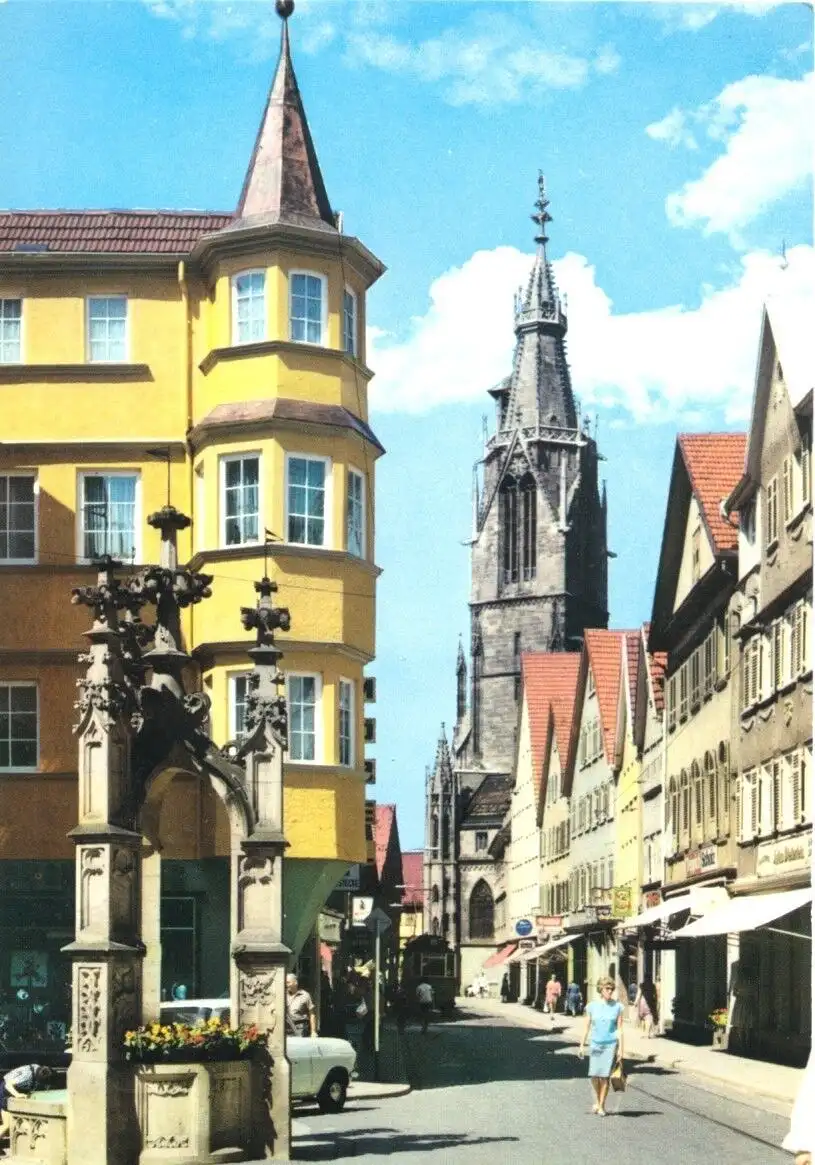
x: 429, y: 959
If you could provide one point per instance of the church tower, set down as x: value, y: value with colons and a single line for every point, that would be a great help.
x: 440, y: 847
x: 539, y: 555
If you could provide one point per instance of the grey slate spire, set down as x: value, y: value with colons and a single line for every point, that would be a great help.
x: 540, y: 391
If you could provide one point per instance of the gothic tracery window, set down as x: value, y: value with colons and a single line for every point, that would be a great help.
x: 519, y: 528
x: 482, y: 911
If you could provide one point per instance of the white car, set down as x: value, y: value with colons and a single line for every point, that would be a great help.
x: 321, y: 1068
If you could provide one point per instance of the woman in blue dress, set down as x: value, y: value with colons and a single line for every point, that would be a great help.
x: 604, y: 1035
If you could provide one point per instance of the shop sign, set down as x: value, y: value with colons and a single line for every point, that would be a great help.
x: 588, y: 915
x: 360, y: 909
x: 651, y: 898
x: 601, y: 896
x: 351, y: 880
x: 523, y: 927
x: 527, y: 944
x: 330, y: 928
x: 697, y: 861
x: 548, y: 921
x: 784, y: 857
x: 621, y: 902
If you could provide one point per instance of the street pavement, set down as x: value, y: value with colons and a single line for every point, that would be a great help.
x: 489, y: 1088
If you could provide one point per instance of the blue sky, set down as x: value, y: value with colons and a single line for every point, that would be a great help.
x: 677, y: 148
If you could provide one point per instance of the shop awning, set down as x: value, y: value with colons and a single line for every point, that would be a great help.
x: 698, y: 901
x: 747, y: 913
x: 525, y: 956
x: 500, y: 956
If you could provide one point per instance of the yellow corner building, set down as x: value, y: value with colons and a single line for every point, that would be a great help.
x: 218, y: 359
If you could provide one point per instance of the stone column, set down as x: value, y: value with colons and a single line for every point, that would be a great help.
x: 107, y: 951
x: 260, y: 960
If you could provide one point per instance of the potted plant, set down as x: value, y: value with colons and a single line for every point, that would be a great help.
x: 193, y: 1089
x: 717, y: 1021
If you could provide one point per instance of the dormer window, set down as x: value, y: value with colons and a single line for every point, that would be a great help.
x: 249, y: 307
x: 307, y: 306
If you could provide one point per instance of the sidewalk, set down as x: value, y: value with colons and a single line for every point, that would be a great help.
x: 756, y: 1077
x: 389, y: 1077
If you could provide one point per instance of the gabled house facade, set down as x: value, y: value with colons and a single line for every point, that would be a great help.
x: 696, y: 578
x: 628, y: 807
x: 772, y: 703
x: 539, y: 815
x: 590, y: 787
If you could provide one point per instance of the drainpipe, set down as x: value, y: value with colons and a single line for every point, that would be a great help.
x: 185, y: 297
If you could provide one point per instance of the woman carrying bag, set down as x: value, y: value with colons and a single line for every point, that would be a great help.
x: 604, y: 1035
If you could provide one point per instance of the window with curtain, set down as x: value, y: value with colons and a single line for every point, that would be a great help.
x: 306, y: 493
x: 108, y: 515
x: 355, y: 515
x: 11, y: 331
x: 107, y: 329
x: 346, y: 718
x: 240, y: 500
x: 302, y: 695
x: 306, y: 308
x: 249, y: 307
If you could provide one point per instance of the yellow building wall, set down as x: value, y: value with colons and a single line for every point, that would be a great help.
x: 628, y: 823
x: 73, y: 417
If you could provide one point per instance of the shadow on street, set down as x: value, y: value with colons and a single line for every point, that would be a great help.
x: 384, y: 1142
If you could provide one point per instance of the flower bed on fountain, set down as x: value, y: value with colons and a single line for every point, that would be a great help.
x: 193, y: 1090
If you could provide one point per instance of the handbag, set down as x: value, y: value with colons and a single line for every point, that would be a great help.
x: 618, y: 1077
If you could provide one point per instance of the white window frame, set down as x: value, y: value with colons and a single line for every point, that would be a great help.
x: 788, y: 490
x: 80, y: 508
x: 347, y: 685
x: 354, y: 472
x: 233, y: 679
x: 223, y: 460
x: 234, y: 332
x: 4, y: 299
x: 8, y: 684
x: 323, y: 307
x: 33, y: 476
x: 347, y: 293
x: 89, y: 299
x: 328, y: 509
x: 318, y: 717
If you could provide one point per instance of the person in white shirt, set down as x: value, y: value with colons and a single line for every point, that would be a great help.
x: 800, y: 1140
x: 424, y: 997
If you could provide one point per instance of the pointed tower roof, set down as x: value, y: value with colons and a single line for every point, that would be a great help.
x: 283, y: 182
x: 540, y: 390
x: 461, y: 662
x: 443, y: 767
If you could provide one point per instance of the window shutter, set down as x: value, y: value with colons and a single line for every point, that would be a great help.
x: 788, y: 489
x: 754, y: 804
x: 806, y: 460
x: 740, y: 808
x: 795, y: 787
x: 683, y: 691
x: 806, y: 658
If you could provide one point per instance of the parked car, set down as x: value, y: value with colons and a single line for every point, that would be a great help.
x: 321, y: 1068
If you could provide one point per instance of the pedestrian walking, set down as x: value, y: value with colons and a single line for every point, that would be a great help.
x: 505, y: 988
x: 646, y: 1005
x: 553, y: 990
x: 424, y: 997
x: 301, y: 1014
x: 573, y: 1004
x: 19, y: 1082
x: 604, y: 1035
x: 800, y: 1140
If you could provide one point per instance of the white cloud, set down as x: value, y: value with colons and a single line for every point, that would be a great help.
x: 673, y: 129
x: 766, y: 127
x: 666, y: 363
x: 495, y: 64
x: 690, y: 16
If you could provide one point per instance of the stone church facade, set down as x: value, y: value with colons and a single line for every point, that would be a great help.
x: 538, y: 579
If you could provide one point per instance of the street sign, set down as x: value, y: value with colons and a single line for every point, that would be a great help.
x: 360, y: 909
x: 378, y: 921
x: 527, y: 944
x: 523, y: 927
x: 351, y: 881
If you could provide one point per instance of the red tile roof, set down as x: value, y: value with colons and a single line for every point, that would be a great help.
x: 604, y: 648
x: 550, y: 681
x: 715, y: 463
x: 413, y: 876
x: 384, y: 825
x: 108, y: 232
x: 632, y: 653
x: 655, y: 670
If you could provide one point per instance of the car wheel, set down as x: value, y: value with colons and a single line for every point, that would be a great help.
x: 331, y: 1097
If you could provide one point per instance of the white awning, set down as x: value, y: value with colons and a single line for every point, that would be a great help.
x: 537, y: 952
x: 746, y: 913
x: 698, y: 900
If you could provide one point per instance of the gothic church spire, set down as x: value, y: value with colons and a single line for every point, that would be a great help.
x: 540, y: 391
x: 283, y: 182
